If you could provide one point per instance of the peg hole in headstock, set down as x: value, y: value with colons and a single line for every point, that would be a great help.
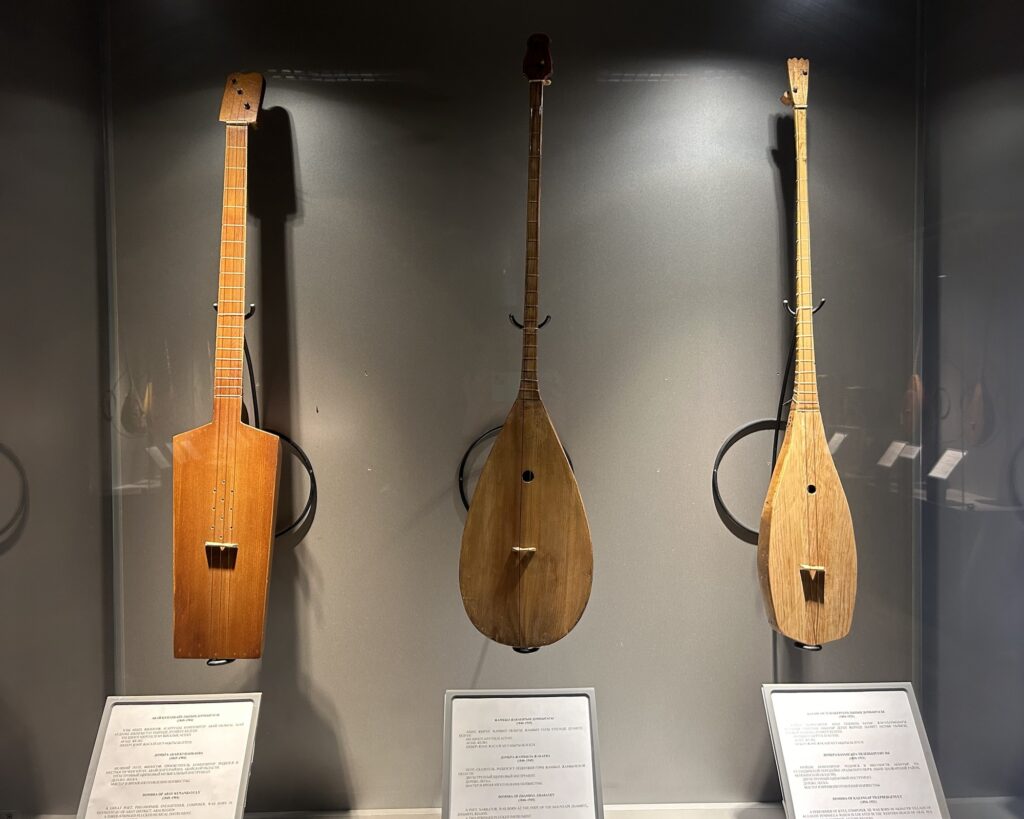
x: 528, y: 476
x: 811, y: 489
x: 242, y: 96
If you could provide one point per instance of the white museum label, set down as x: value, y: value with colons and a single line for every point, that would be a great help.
x: 183, y: 759
x: 910, y: 451
x: 521, y: 758
x: 892, y: 453
x: 946, y: 464
x: 836, y: 441
x: 853, y: 754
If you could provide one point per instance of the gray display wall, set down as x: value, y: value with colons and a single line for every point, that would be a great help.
x: 56, y: 632
x: 973, y: 533
x: 386, y: 248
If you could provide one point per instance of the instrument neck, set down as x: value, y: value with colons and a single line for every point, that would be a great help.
x: 228, y: 360
x: 805, y: 385
x: 529, y: 387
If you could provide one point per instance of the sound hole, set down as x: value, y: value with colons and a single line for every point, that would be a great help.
x: 527, y: 476
x: 811, y: 489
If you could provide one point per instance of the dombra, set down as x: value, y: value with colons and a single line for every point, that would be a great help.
x: 807, y: 557
x: 226, y: 472
x: 527, y: 561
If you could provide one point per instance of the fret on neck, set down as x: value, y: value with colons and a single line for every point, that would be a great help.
x: 529, y: 386
x: 805, y: 383
x: 228, y: 366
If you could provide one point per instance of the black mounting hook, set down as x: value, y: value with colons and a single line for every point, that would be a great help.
x: 512, y: 318
x: 248, y: 315
x: 792, y: 311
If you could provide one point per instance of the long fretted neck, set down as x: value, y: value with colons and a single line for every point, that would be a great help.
x: 529, y: 387
x: 227, y: 373
x: 805, y: 384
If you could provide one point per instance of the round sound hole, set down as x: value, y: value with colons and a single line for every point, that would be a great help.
x: 811, y: 489
x: 527, y: 476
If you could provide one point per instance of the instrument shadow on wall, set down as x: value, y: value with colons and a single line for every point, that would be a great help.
x: 301, y: 742
x: 274, y: 204
x: 783, y: 157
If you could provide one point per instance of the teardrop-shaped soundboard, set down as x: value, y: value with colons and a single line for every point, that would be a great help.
x: 807, y: 558
x: 527, y: 560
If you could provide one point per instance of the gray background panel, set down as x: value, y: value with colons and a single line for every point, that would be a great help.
x: 973, y: 528
x: 384, y: 262
x: 56, y: 632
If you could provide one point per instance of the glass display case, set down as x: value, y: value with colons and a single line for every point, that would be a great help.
x: 385, y: 195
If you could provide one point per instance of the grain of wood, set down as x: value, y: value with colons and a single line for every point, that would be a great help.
x: 807, y: 555
x: 527, y: 561
x: 225, y: 473
x: 220, y: 598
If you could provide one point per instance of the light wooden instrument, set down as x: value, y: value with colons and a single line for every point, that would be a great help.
x: 527, y: 561
x: 806, y: 555
x: 226, y: 473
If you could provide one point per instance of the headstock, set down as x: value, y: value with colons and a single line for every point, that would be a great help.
x: 799, y: 71
x: 537, y: 62
x: 243, y: 95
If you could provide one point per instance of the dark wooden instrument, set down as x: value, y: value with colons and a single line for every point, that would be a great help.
x: 527, y: 561
x: 806, y: 556
x: 226, y: 472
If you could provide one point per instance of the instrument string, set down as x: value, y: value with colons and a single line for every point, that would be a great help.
x: 807, y: 381
x: 229, y: 497
x: 529, y: 389
x: 220, y: 400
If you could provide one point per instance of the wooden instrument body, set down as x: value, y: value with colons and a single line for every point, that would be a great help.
x: 226, y: 472
x: 220, y: 594
x: 527, y: 561
x: 806, y: 553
